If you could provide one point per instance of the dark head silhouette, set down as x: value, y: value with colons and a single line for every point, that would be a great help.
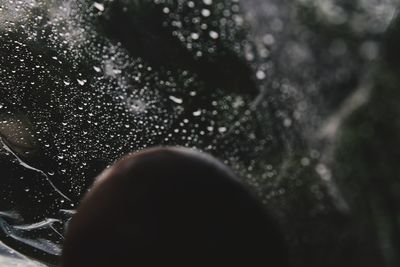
x: 173, y: 207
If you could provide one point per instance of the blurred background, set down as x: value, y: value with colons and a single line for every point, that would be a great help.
x: 301, y: 98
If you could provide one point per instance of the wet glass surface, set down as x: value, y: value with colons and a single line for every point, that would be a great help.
x: 266, y: 85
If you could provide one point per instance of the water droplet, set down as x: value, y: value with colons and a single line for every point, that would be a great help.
x: 166, y: 10
x: 175, y: 99
x: 269, y: 39
x: 205, y: 12
x: 214, y: 34
x: 197, y: 113
x: 305, y: 161
x: 195, y: 36
x: 222, y: 129
x: 287, y: 122
x: 260, y: 75
x: 99, y: 6
x: 81, y: 82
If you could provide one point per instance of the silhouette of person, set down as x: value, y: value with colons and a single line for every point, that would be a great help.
x: 171, y: 207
